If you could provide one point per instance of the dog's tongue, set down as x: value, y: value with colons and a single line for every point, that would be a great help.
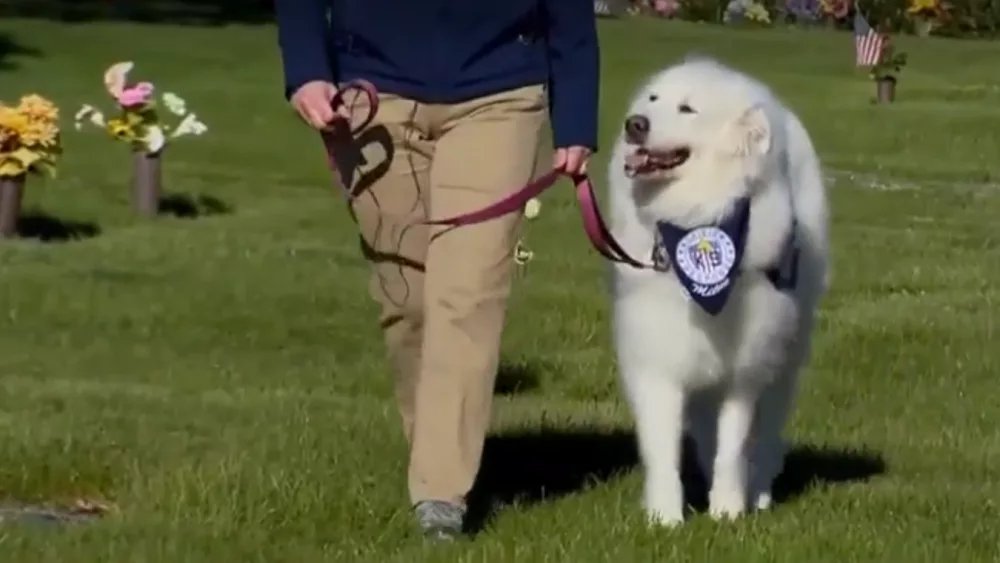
x: 635, y: 161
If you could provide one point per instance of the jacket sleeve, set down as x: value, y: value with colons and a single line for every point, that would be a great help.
x: 574, y: 71
x: 302, y: 37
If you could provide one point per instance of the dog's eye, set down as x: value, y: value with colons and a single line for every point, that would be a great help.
x: 684, y: 108
x: 653, y: 97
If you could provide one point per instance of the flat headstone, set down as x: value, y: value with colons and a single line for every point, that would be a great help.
x: 609, y: 8
x: 42, y: 515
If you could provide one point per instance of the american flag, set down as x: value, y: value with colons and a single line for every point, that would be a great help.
x: 868, y: 43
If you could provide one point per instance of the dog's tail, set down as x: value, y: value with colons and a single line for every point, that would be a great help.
x: 811, y: 212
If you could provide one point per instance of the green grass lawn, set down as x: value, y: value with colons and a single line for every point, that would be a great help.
x: 220, y: 380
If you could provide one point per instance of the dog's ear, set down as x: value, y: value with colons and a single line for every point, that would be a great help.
x: 752, y: 133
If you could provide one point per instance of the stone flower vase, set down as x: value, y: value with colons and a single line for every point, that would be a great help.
x: 147, y: 183
x: 11, y: 190
x: 885, y: 90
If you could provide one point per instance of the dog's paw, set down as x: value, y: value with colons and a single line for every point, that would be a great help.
x: 664, y: 517
x: 664, y: 503
x: 726, y: 504
x: 763, y: 500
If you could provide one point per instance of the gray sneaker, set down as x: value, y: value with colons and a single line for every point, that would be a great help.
x: 439, y: 519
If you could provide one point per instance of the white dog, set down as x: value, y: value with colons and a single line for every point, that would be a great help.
x: 720, y: 183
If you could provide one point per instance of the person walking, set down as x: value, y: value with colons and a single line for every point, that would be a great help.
x: 465, y: 91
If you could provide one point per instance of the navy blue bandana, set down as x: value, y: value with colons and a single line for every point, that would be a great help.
x: 707, y: 259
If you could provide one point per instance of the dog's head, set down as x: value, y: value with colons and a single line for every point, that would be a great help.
x: 699, y: 132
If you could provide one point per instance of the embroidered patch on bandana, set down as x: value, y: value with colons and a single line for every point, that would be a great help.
x: 707, y: 259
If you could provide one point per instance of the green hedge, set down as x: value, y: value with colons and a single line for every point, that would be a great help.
x: 196, y: 12
x: 975, y: 18
x: 966, y: 18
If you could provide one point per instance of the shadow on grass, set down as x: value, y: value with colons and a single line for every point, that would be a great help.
x: 807, y: 467
x: 532, y: 467
x: 47, y: 228
x: 514, y: 378
x: 182, y: 12
x: 186, y: 206
x: 11, y: 48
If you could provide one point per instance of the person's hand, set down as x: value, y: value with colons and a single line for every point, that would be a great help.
x: 312, y: 101
x: 572, y: 160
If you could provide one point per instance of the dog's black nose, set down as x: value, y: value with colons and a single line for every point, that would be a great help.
x: 636, y: 129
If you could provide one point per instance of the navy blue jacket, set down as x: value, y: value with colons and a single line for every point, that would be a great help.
x: 449, y: 51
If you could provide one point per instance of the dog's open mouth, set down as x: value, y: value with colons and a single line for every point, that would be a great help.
x: 646, y: 161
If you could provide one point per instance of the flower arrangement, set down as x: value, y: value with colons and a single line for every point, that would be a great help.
x: 834, y: 10
x: 746, y: 11
x: 658, y: 8
x: 926, y: 15
x: 138, y: 122
x: 666, y: 8
x: 523, y: 255
x: 930, y: 9
x: 756, y: 12
x: 29, y: 137
x: 807, y: 11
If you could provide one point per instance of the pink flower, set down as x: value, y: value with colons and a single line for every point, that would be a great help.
x: 136, y: 95
x: 666, y: 8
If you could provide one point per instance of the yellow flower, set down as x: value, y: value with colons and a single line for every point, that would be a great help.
x: 38, y: 108
x: 134, y: 118
x: 38, y: 133
x: 917, y: 6
x: 29, y: 137
x: 120, y: 129
x: 12, y: 121
x: 10, y: 167
x: 758, y: 13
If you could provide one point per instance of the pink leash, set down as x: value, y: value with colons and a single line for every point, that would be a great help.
x: 364, y: 88
x: 593, y: 224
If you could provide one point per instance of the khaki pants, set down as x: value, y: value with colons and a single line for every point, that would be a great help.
x: 443, y: 292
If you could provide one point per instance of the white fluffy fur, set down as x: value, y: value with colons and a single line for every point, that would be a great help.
x: 730, y: 379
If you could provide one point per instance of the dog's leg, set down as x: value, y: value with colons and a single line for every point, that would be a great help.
x: 659, y: 411
x: 728, y: 495
x: 773, y: 408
